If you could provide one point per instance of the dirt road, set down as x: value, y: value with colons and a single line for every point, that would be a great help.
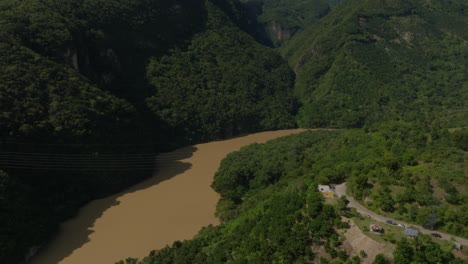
x: 340, y: 190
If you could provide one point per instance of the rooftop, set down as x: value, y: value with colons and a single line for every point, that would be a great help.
x: 411, y: 232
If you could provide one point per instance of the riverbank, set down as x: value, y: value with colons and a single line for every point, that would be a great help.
x: 172, y: 205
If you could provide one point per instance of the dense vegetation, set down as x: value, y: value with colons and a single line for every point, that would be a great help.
x: 280, y: 229
x: 223, y: 84
x: 85, y: 84
x: 84, y: 98
x: 263, y: 222
x: 269, y: 194
x: 396, y: 169
x: 369, y: 61
x: 422, y: 250
x: 278, y: 20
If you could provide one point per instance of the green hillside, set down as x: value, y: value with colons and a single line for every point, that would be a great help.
x: 85, y: 103
x: 284, y: 18
x: 394, y: 69
x: 223, y: 84
x: 272, y: 211
x: 270, y: 214
x: 86, y: 84
x: 278, y: 20
x: 369, y: 61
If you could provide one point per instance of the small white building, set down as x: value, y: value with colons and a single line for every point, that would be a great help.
x: 324, y: 188
x: 326, y: 191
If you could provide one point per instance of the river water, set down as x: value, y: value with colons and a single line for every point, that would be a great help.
x: 172, y: 205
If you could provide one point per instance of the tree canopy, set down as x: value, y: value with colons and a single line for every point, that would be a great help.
x: 83, y: 78
x: 371, y: 61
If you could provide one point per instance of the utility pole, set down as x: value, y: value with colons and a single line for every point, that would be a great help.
x: 432, y: 220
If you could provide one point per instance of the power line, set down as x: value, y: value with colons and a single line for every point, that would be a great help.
x: 11, y: 142
x: 77, y: 169
x: 90, y: 161
x: 67, y: 168
x: 5, y: 153
x: 74, y: 154
x: 89, y: 168
x: 98, y: 162
x: 141, y: 163
x: 84, y: 158
x: 95, y: 167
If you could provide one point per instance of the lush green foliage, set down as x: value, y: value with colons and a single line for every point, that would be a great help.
x: 274, y: 215
x: 73, y: 81
x: 278, y: 20
x: 283, y: 18
x: 422, y: 250
x: 42, y: 99
x: 86, y: 72
x: 396, y: 68
x: 223, y: 84
x: 399, y: 168
x: 369, y: 61
x: 258, y: 166
x: 268, y: 186
x: 381, y: 259
x: 280, y: 229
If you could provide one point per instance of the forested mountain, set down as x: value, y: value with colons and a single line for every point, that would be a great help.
x: 87, y: 95
x: 85, y: 84
x: 92, y: 52
x: 104, y: 47
x: 369, y: 61
x: 224, y: 83
x: 395, y: 69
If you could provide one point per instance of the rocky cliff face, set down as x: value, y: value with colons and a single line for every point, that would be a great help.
x: 278, y: 20
x: 278, y: 33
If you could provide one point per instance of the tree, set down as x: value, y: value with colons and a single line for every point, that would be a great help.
x: 381, y: 259
x: 404, y: 252
x: 358, y: 185
x: 460, y: 139
x: 342, y: 204
x: 384, y: 200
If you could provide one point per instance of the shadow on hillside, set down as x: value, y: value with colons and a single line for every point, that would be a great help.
x: 75, y: 232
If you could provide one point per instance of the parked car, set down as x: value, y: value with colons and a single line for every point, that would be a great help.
x: 436, y: 235
x: 390, y: 222
x: 376, y: 228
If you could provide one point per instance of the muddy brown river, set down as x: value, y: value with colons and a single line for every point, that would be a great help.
x: 172, y: 205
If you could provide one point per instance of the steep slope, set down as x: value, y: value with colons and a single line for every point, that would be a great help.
x: 223, y: 84
x: 283, y: 19
x: 74, y: 120
x: 368, y: 61
x: 278, y: 20
x: 98, y: 45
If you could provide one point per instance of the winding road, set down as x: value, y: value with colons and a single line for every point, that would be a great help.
x: 340, y: 190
